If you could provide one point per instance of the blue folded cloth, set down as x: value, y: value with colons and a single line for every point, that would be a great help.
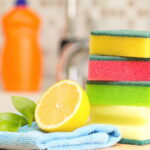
x: 85, y: 138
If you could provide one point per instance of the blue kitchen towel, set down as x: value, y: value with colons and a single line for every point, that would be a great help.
x: 85, y: 138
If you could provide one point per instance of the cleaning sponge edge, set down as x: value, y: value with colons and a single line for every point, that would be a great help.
x: 125, y: 33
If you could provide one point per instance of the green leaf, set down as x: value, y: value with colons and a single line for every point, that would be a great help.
x: 10, y: 126
x: 25, y: 106
x: 13, y: 118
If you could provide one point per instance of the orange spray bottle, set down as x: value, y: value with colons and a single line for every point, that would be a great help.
x: 21, y: 57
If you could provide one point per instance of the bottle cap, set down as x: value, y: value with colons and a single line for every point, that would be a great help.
x: 21, y: 2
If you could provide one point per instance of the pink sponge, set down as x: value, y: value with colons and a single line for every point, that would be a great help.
x: 112, y: 68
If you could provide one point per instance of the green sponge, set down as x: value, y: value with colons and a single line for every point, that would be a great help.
x: 119, y: 93
x: 134, y: 142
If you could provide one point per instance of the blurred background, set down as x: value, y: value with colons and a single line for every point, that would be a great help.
x: 64, y: 32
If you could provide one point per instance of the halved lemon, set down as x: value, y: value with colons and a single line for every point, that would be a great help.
x: 63, y: 107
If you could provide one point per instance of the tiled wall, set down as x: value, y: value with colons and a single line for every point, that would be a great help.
x: 89, y: 14
x: 113, y: 14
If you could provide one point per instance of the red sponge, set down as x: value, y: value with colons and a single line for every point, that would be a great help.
x: 110, y: 68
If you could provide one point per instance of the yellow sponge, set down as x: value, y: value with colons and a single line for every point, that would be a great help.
x: 120, y: 43
x: 133, y: 122
x: 121, y: 114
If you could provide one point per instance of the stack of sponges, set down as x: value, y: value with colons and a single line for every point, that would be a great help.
x: 119, y: 82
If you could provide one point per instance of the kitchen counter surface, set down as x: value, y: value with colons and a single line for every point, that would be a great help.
x: 128, y: 147
x: 125, y: 147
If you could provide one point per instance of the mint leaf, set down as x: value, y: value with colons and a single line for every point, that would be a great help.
x: 9, y: 126
x: 25, y: 106
x: 13, y: 118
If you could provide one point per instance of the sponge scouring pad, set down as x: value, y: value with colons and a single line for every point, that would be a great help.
x: 113, y: 68
x: 129, y: 115
x: 120, y: 43
x: 119, y: 93
x: 134, y: 123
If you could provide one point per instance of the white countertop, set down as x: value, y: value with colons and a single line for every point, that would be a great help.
x: 5, y: 99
